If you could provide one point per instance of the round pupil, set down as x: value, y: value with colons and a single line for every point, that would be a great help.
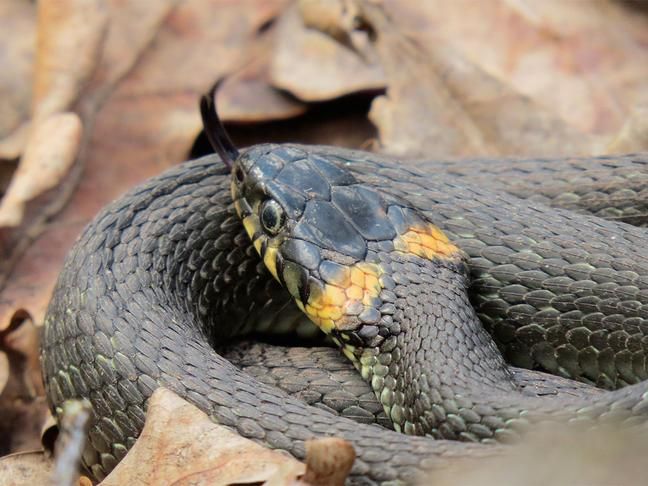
x: 271, y: 216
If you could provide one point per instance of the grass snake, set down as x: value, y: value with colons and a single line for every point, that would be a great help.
x: 168, y: 273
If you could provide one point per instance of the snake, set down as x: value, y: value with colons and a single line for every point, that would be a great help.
x: 435, y: 288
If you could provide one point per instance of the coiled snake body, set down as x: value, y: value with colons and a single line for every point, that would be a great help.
x: 168, y: 272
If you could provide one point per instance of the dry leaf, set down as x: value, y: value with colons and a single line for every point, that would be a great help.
x: 485, y: 78
x: 68, y: 44
x: 70, y: 35
x: 51, y: 150
x: 25, y: 468
x: 584, y: 61
x: 18, y: 41
x: 247, y: 96
x: 181, y: 445
x: 22, y: 402
x: 460, y: 109
x: 580, y: 65
x: 314, y: 67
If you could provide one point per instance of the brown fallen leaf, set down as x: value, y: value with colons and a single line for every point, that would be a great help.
x: 181, y: 445
x: 25, y: 468
x: 460, y: 109
x: 248, y: 96
x: 314, y: 67
x: 18, y: 41
x: 486, y: 78
x: 70, y: 37
x: 22, y: 402
x: 51, y: 150
x: 586, y: 62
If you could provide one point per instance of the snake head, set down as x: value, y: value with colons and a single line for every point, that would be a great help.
x: 326, y: 237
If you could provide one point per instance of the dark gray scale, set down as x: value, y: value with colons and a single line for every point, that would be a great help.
x: 366, y: 211
x: 301, y: 177
x: 326, y: 226
x: 334, y: 174
x: 300, y: 251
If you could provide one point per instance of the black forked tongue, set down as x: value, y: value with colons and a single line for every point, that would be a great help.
x: 214, y: 129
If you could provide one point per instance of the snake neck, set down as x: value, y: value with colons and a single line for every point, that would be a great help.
x: 433, y: 357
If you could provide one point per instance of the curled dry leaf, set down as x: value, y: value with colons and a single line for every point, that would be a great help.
x: 70, y: 35
x: 69, y: 40
x: 18, y: 41
x: 25, y: 468
x: 584, y: 61
x: 490, y: 78
x: 581, y: 66
x: 22, y: 402
x: 181, y: 445
x: 460, y: 109
x: 248, y: 97
x: 51, y: 150
x: 314, y: 67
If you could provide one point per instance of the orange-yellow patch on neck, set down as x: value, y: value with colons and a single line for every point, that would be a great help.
x: 426, y: 242
x: 328, y: 307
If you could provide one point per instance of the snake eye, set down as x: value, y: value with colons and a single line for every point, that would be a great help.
x: 272, y: 216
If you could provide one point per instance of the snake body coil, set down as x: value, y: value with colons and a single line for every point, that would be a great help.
x: 168, y: 272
